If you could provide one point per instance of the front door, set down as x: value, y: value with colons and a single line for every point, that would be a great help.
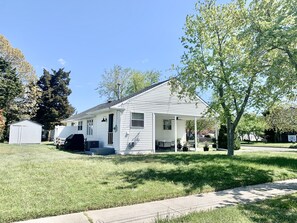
x: 110, y: 129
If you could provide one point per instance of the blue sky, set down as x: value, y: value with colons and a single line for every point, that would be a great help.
x: 90, y: 36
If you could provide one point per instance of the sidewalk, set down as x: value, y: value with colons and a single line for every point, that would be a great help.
x: 250, y: 148
x: 148, y: 212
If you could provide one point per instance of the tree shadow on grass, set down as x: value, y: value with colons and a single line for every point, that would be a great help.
x: 197, y: 179
x: 282, y: 209
x: 187, y: 159
x: 278, y: 161
x: 175, y: 159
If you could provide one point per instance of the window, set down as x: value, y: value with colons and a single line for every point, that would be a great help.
x: 137, y: 120
x: 79, y: 126
x: 90, y: 127
x: 167, y: 124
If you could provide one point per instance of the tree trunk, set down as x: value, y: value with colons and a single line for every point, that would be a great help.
x: 230, y: 137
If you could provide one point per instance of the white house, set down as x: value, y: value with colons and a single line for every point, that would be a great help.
x: 25, y: 132
x: 135, y: 124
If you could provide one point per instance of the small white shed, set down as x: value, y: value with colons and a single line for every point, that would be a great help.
x: 25, y: 131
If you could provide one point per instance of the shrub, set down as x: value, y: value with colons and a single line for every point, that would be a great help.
x: 222, y: 138
x: 294, y: 146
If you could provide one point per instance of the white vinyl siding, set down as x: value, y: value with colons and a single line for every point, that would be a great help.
x: 142, y: 137
x: 137, y: 120
x: 158, y: 100
x: 162, y: 101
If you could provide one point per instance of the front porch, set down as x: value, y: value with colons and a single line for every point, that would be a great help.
x: 170, y: 133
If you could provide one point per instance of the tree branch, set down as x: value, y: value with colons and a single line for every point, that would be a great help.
x: 246, y: 98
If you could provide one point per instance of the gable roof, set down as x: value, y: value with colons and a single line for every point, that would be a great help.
x: 15, y: 123
x: 111, y: 103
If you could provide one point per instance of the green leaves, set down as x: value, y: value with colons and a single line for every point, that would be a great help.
x: 10, y: 84
x: 245, y: 54
x: 129, y: 80
x: 251, y: 124
x: 54, y: 105
x: 282, y: 118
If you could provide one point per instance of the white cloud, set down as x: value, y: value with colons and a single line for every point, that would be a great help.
x: 144, y: 61
x: 62, y: 61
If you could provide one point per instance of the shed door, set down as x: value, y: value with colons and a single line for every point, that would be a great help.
x: 110, y: 129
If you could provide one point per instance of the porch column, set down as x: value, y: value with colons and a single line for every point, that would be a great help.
x: 154, y: 132
x: 175, y: 133
x: 195, y: 132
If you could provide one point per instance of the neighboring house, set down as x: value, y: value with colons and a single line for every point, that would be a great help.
x: 140, y: 122
x: 25, y: 131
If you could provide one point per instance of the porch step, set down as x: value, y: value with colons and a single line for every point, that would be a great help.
x: 101, y: 151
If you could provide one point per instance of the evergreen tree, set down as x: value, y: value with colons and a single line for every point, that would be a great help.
x: 26, y: 104
x: 10, y: 84
x: 54, y: 105
x: 10, y: 90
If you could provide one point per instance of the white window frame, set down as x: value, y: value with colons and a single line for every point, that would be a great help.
x: 90, y: 125
x: 80, y: 126
x: 131, y: 123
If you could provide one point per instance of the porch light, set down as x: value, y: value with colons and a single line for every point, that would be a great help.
x: 104, y: 119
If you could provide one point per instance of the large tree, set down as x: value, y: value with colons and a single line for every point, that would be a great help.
x: 282, y: 118
x: 251, y: 124
x: 10, y: 91
x: 28, y: 102
x: 119, y: 82
x: 273, y: 24
x: 219, y: 55
x: 139, y: 80
x: 54, y: 105
x: 25, y: 106
x: 16, y: 58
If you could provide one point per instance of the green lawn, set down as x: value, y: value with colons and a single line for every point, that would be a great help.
x: 281, y: 209
x: 39, y: 180
x: 263, y: 144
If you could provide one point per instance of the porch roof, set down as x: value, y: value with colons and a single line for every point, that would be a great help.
x: 179, y: 116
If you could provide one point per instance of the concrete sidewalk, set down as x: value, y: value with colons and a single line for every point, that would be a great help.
x: 246, y: 148
x: 149, y: 212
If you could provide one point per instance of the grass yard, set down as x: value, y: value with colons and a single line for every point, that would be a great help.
x: 274, y: 145
x: 280, y: 209
x: 38, y: 180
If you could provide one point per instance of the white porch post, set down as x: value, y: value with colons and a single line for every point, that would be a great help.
x: 195, y: 132
x: 175, y: 133
x: 154, y: 132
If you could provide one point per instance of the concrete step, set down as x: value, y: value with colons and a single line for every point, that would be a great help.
x: 101, y: 151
